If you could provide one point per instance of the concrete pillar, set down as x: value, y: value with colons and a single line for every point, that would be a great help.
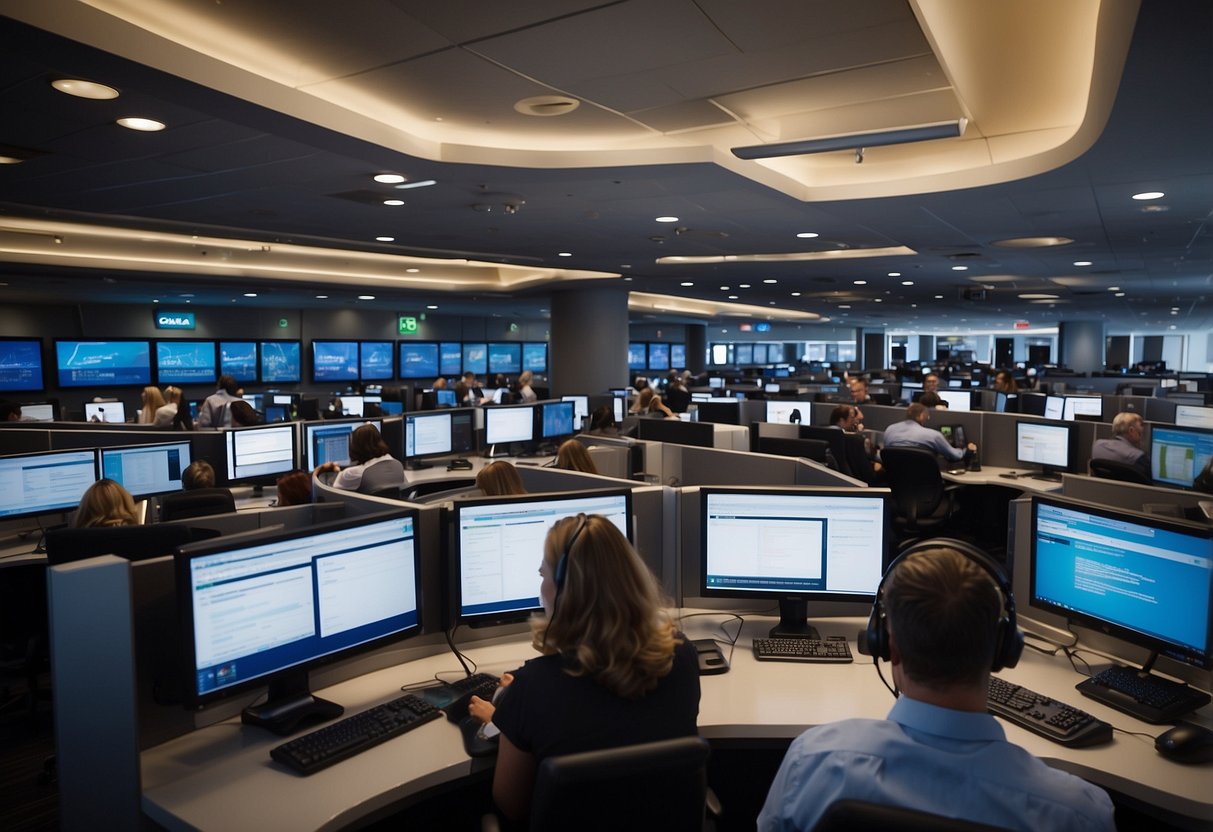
x: 589, y: 346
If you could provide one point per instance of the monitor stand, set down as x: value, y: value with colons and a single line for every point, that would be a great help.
x: 416, y: 465
x: 493, y: 451
x: 1047, y: 474
x: 289, y: 704
x: 794, y: 620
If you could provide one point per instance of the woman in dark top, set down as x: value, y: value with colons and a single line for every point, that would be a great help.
x: 614, y: 670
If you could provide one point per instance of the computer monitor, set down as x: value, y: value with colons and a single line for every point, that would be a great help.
x: 46, y: 482
x: 771, y: 387
x: 508, y: 425
x: 696, y: 434
x: 352, y: 404
x: 581, y: 409
x: 419, y: 360
x: 1192, y: 416
x: 21, y: 364
x: 257, y: 455
x: 277, y: 413
x: 238, y: 359
x: 1049, y: 446
x: 638, y: 355
x: 557, y: 420
x: 1178, y: 455
x: 280, y: 361
x: 794, y: 546
x: 955, y: 434
x: 716, y: 383
x: 445, y: 398
x: 619, y: 407
x: 40, y: 411
x: 329, y: 441
x: 267, y: 610
x: 499, y: 546
x: 1137, y: 577
x: 103, y: 363
x: 957, y: 400
x: 426, y: 434
x: 147, y: 470
x: 787, y: 412
x: 334, y: 361
x: 1082, y: 407
x: 1055, y: 407
x: 376, y: 361
x: 114, y: 412
x: 505, y: 357
x: 725, y: 412
x: 1006, y: 402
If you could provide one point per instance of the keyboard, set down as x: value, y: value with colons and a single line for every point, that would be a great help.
x: 1148, y: 697
x: 1053, y: 720
x: 347, y: 737
x: 802, y: 650
x: 461, y: 691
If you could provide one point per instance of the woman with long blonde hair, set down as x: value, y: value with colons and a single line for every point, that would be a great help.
x: 152, y: 401
x: 106, y: 503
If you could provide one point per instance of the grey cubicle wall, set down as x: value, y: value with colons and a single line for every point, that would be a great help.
x: 686, y: 466
x: 536, y: 479
x: 1151, y: 499
x: 286, y: 517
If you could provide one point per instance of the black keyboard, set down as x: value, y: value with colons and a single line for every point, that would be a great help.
x: 347, y: 737
x: 1148, y: 697
x: 1053, y: 720
x: 802, y: 650
x: 462, y: 690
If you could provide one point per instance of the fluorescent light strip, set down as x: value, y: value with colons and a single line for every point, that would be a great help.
x: 791, y: 256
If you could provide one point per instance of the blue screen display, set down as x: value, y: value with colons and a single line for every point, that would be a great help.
x: 375, y: 361
x: 21, y: 365
x: 334, y: 361
x: 238, y: 359
x: 659, y: 356
x: 1177, y: 455
x: 505, y: 358
x: 103, y: 363
x: 535, y: 357
x: 638, y: 357
x: 678, y: 356
x: 450, y: 358
x: 185, y: 362
x: 280, y: 361
x: 558, y: 419
x: 418, y: 360
x: 476, y: 358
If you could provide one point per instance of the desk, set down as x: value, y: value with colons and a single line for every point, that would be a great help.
x: 994, y: 475
x: 221, y: 777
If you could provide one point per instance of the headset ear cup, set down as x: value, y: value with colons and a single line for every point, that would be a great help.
x: 877, y: 635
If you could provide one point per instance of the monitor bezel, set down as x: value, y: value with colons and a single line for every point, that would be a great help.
x: 298, y: 375
x: 68, y: 385
x: 41, y: 379
x: 1071, y: 444
x: 163, y: 378
x: 259, y: 479
x: 319, y: 344
x: 491, y: 413
x: 227, y: 372
x: 448, y: 414
x: 142, y: 495
x: 58, y: 509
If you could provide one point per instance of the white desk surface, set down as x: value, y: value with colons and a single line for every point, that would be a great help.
x: 994, y: 475
x: 221, y: 777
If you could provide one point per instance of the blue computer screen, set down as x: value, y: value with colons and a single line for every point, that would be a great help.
x: 1143, y: 579
x: 638, y: 356
x: 450, y: 358
x: 659, y: 356
x: 334, y: 361
x: 375, y: 360
x: 21, y: 365
x: 186, y: 362
x: 476, y: 358
x: 558, y: 419
x: 45, y: 482
x: 678, y: 356
x: 418, y: 360
x: 505, y: 358
x: 103, y: 363
x: 280, y: 361
x: 238, y: 359
x: 1177, y: 455
x: 535, y: 357
x: 145, y: 470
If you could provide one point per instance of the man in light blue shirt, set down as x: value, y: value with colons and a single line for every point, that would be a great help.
x: 938, y: 751
x: 911, y: 432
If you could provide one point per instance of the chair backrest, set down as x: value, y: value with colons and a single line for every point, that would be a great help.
x: 382, y: 476
x: 914, y: 477
x: 677, y: 399
x: 656, y: 785
x: 1113, y: 469
x: 837, y: 441
x: 199, y: 502
x: 860, y: 816
x: 814, y: 449
x: 130, y: 542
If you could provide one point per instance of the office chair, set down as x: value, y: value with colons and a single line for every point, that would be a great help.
x: 836, y: 439
x: 199, y: 502
x: 415, y: 491
x: 922, y: 502
x: 860, y: 816
x: 1111, y: 469
x: 655, y: 785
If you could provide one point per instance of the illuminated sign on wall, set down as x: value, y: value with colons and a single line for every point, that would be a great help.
x: 173, y: 320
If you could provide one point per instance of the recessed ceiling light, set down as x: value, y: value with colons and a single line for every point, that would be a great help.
x: 667, y: 219
x: 796, y: 294
x: 894, y: 274
x: 808, y: 235
x: 1032, y: 242
x: 143, y: 125
x: 844, y: 306
x: 389, y: 178
x: 732, y: 297
x: 85, y: 89
x: 686, y: 283
x: 432, y: 306
x: 960, y: 268
x: 420, y: 183
x: 939, y: 297
x: 412, y: 271
x: 907, y: 283
x: 322, y: 297
x: 1113, y: 288
x: 770, y: 280
x: 564, y: 254
x: 1082, y: 262
x: 1149, y: 195
x: 861, y: 283
x: 366, y: 297
x: 1119, y: 294
x: 724, y: 288
x: 1037, y: 296
x: 386, y: 239
x: 250, y: 294
x: 743, y: 285
x: 393, y: 202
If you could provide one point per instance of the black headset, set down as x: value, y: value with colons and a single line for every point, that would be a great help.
x: 1008, y: 643
x: 562, y: 565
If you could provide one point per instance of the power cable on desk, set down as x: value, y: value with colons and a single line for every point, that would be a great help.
x: 732, y: 640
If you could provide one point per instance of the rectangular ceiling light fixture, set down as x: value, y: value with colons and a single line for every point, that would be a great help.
x: 855, y: 141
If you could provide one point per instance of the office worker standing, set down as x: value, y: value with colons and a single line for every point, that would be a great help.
x: 1125, y: 444
x: 215, y: 410
x: 943, y: 626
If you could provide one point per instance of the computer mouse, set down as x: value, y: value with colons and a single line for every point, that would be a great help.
x: 1186, y: 743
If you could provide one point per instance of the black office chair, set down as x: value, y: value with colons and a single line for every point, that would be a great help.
x: 837, y: 442
x: 1111, y: 469
x: 677, y: 399
x: 417, y: 490
x: 922, y: 502
x: 656, y: 785
x: 200, y: 502
x: 860, y: 816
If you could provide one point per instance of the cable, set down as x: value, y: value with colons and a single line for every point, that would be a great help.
x: 463, y: 660
x: 732, y: 640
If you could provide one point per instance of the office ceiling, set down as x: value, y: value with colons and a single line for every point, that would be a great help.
x: 279, y: 113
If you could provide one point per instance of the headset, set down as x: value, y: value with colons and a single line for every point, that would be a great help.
x: 562, y: 565
x: 1008, y: 645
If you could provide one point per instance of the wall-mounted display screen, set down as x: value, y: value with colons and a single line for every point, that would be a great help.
x: 638, y: 357
x: 375, y: 361
x: 103, y: 363
x: 678, y: 356
x: 238, y: 359
x: 535, y: 357
x: 280, y: 362
x: 334, y: 361
x: 418, y: 360
x: 186, y: 362
x: 659, y: 356
x: 476, y: 358
x: 450, y: 358
x: 505, y: 357
x: 20, y: 364
x: 744, y: 354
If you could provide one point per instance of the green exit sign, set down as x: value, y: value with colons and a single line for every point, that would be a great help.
x: 407, y: 325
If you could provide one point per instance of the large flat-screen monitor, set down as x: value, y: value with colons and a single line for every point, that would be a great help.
x: 678, y: 356
x: 147, y: 470
x: 186, y: 362
x: 505, y: 357
x: 45, y: 482
x: 238, y: 359
x: 20, y: 364
x: 499, y: 546
x: 103, y: 363
x: 418, y: 360
x: 267, y: 610
x: 1193, y: 416
x: 1082, y: 407
x: 787, y: 412
x: 793, y: 546
x: 329, y: 441
x: 638, y: 355
x: 1049, y: 446
x: 114, y: 412
x: 280, y: 362
x: 659, y: 356
x: 476, y: 358
x: 334, y: 361
x: 47, y: 411
x: 557, y: 420
x: 1138, y: 577
x: 958, y: 400
x: 1178, y: 455
x: 535, y: 357
x: 743, y: 354
x: 376, y: 361
x: 427, y: 434
x: 450, y: 358
x: 506, y: 425
x: 258, y: 455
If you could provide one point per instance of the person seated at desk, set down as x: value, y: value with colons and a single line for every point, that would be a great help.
x: 1004, y: 382
x: 938, y: 750
x: 614, y: 670
x: 848, y: 418
x: 573, y: 456
x: 933, y: 400
x: 912, y: 432
x: 524, y: 394
x: 859, y: 391
x: 166, y: 414
x: 602, y: 422
x: 152, y: 400
x: 930, y: 384
x: 649, y: 404
x: 105, y: 504
x: 372, y: 465
x: 215, y: 410
x: 1204, y: 480
x: 1125, y: 444
x: 499, y: 479
x: 468, y: 390
x: 243, y: 414
x: 294, y: 489
x: 197, y: 475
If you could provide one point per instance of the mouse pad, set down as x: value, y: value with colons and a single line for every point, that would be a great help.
x: 711, y: 660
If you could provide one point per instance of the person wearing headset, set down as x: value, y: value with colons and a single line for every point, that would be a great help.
x: 944, y: 618
x: 614, y: 671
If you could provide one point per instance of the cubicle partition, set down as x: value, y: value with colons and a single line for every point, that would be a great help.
x: 1151, y: 499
